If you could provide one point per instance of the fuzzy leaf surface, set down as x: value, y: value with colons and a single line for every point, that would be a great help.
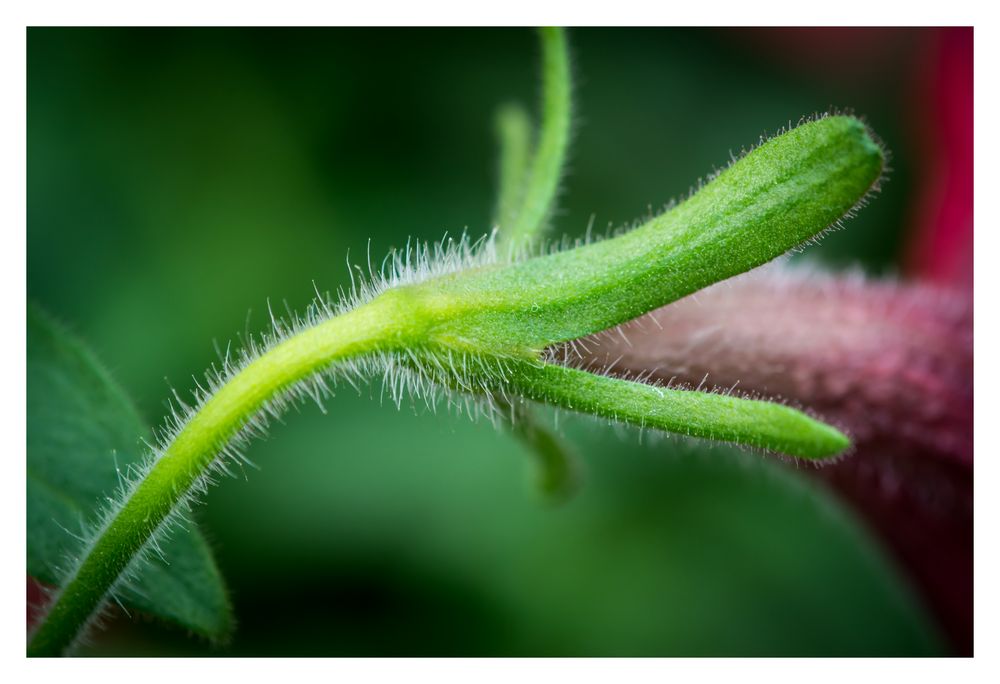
x: 780, y: 195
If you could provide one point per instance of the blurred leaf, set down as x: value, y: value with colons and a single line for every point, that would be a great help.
x: 81, y: 427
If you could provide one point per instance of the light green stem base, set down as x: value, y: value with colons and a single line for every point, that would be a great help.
x: 172, y: 477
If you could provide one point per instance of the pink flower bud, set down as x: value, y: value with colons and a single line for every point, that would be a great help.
x: 888, y: 363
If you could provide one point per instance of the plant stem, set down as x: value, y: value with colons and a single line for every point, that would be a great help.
x: 761, y: 424
x: 553, y: 141
x: 380, y: 325
x: 514, y: 136
x: 520, y: 184
x: 557, y: 469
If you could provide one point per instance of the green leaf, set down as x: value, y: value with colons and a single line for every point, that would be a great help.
x: 81, y: 427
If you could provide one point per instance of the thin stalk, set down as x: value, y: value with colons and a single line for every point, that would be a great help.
x: 525, y: 195
x: 557, y: 469
x: 374, y: 327
x: 553, y: 141
x: 514, y: 136
x: 760, y: 424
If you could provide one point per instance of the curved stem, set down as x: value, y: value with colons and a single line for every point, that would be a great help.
x: 514, y: 136
x: 382, y: 324
x: 553, y: 141
x: 557, y: 470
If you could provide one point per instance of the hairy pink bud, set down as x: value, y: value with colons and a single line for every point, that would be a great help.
x: 889, y: 363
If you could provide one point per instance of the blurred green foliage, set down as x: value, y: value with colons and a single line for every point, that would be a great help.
x: 180, y: 178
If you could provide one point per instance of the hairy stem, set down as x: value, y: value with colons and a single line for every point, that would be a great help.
x: 519, y: 184
x: 188, y: 458
x: 785, y: 192
x: 483, y: 326
x: 760, y: 424
x: 497, y: 318
x: 553, y: 141
x: 514, y: 136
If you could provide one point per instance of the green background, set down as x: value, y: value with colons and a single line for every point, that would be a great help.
x: 178, y: 179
